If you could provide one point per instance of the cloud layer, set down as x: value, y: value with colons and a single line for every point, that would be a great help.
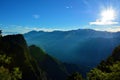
x: 15, y: 29
x: 110, y: 29
x: 99, y: 22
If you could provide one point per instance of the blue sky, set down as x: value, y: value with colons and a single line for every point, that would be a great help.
x: 25, y: 15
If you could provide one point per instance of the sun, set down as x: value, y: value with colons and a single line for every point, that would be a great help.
x: 108, y: 15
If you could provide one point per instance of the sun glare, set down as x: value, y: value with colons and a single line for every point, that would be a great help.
x: 108, y: 15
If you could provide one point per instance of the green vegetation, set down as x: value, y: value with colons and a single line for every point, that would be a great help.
x: 75, y: 76
x: 107, y: 70
x: 20, y: 59
x: 5, y: 72
x: 113, y: 74
x: 37, y: 53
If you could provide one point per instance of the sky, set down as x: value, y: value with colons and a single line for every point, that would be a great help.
x: 21, y: 16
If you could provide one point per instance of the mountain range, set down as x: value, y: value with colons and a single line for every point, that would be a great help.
x: 18, y: 61
x: 32, y: 61
x: 84, y: 47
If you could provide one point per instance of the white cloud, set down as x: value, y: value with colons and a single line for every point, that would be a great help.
x: 116, y: 29
x: 68, y: 7
x: 36, y: 16
x: 100, y: 22
x: 44, y: 29
x: 107, y: 17
x: 109, y: 29
x: 14, y: 29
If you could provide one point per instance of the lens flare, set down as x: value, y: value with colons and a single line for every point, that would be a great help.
x: 108, y: 15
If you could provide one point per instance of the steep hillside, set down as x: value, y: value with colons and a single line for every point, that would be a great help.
x: 15, y: 46
x: 116, y: 54
x: 108, y: 69
x: 55, y: 69
x: 115, y: 57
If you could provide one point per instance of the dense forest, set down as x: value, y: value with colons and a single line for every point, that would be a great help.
x: 18, y: 61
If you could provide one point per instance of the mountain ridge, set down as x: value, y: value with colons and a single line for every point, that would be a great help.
x: 74, y: 46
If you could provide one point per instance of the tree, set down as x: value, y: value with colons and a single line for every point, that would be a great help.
x: 98, y: 74
x: 6, y: 73
x: 75, y: 76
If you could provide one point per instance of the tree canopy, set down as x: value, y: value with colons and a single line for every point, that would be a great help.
x: 75, y: 76
x: 5, y: 72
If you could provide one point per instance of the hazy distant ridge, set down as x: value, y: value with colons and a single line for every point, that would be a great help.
x: 76, y: 46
